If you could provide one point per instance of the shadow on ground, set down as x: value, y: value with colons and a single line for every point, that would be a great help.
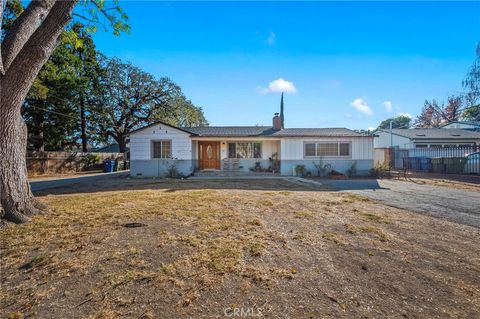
x: 125, y: 183
x: 355, y: 184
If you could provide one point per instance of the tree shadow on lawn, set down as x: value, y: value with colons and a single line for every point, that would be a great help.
x: 122, y: 183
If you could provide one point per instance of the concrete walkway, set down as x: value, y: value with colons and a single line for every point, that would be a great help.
x: 52, y: 182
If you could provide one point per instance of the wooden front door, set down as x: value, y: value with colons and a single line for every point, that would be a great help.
x: 209, y: 155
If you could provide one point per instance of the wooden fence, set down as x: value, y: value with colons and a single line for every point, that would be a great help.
x: 39, y: 163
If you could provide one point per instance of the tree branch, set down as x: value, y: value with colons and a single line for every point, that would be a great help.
x: 3, y: 3
x: 23, y: 28
x: 36, y: 51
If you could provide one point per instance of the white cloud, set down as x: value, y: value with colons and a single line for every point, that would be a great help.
x: 370, y: 128
x: 271, y: 38
x: 405, y: 114
x: 388, y: 106
x: 278, y: 85
x: 361, y: 106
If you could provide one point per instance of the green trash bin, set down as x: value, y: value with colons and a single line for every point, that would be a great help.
x: 454, y: 165
x: 437, y: 165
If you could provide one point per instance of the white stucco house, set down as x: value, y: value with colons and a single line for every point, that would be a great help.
x: 464, y: 125
x: 156, y: 147
x: 426, y: 138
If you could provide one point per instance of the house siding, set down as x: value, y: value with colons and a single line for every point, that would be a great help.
x: 141, y: 143
x: 383, y: 140
x: 292, y: 154
x: 141, y: 161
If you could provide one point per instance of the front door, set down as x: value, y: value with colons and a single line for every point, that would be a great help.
x: 209, y: 155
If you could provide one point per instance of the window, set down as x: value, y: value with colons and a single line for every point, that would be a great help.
x: 162, y: 149
x: 244, y: 150
x: 310, y: 149
x: 326, y: 149
x: 344, y: 149
x: 421, y: 145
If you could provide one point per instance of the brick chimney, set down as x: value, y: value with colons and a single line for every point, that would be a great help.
x: 277, y: 122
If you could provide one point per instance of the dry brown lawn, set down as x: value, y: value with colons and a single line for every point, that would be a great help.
x: 209, y: 249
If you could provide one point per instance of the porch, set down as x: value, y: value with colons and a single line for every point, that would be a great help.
x: 236, y: 157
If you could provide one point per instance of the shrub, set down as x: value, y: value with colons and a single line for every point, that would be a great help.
x: 300, y: 170
x: 322, y: 169
x: 91, y: 159
x: 352, y: 171
x: 380, y: 171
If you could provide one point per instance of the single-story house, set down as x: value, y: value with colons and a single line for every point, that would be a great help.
x: 464, y: 125
x: 111, y: 148
x: 156, y: 147
x: 425, y: 138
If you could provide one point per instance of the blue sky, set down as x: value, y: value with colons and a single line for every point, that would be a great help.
x: 343, y: 64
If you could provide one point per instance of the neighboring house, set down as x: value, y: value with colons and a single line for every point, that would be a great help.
x: 468, y: 125
x: 426, y: 138
x: 112, y: 148
x: 156, y: 147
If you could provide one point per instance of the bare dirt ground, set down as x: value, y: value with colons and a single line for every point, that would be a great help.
x: 268, y: 248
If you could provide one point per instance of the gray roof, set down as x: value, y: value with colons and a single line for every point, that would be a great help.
x: 435, y: 133
x: 473, y: 123
x: 318, y: 132
x: 226, y: 131
x: 260, y: 131
x: 268, y: 131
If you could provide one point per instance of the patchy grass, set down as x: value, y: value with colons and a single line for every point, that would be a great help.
x: 270, y: 245
x: 374, y: 218
x: 351, y: 198
x: 336, y: 238
x: 303, y: 214
x: 354, y: 229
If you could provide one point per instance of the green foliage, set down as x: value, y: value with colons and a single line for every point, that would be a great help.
x: 13, y: 9
x: 128, y: 98
x: 274, y: 163
x: 401, y: 121
x: 173, y: 171
x: 109, y: 15
x: 322, y: 169
x: 471, y: 84
x: 91, y: 159
x: 472, y: 113
x: 300, y: 170
x: 51, y: 109
x: 380, y: 170
x: 352, y: 171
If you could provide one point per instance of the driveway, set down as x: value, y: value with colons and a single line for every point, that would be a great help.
x: 457, y: 205
x: 41, y: 184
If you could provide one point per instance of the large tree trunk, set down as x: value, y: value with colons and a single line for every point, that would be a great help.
x: 83, y: 124
x: 25, y: 51
x: 16, y: 198
x: 122, y: 144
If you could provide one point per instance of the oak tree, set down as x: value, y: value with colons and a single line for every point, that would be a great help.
x: 25, y: 48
